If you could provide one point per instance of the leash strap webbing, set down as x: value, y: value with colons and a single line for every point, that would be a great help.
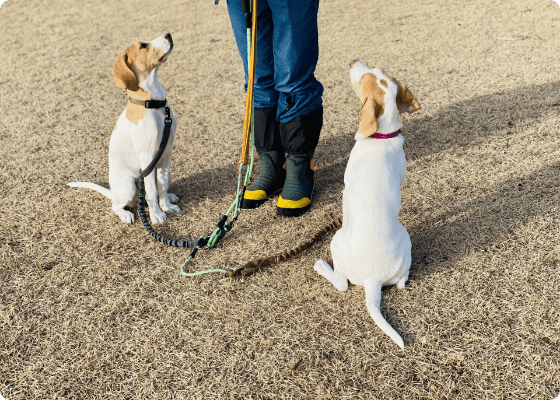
x: 164, y: 139
x: 252, y: 56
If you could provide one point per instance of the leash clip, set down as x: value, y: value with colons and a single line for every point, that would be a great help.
x: 167, y: 119
x: 233, y: 272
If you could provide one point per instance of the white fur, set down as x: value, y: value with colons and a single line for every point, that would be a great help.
x: 372, y: 248
x: 131, y: 149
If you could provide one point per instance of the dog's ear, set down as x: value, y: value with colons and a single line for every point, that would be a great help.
x: 368, y: 117
x: 124, y: 76
x: 406, y: 102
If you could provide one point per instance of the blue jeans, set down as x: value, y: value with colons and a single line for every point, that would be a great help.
x: 287, y: 53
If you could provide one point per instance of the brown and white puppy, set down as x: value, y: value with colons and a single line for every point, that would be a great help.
x: 373, y: 249
x: 138, y: 132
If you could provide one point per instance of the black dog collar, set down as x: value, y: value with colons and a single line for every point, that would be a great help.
x: 149, y: 103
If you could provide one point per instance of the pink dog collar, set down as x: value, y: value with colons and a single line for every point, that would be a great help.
x: 384, y: 136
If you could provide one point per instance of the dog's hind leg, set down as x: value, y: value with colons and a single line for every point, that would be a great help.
x: 123, y: 194
x: 339, y: 281
x: 406, y: 263
x: 373, y: 303
x: 401, y: 283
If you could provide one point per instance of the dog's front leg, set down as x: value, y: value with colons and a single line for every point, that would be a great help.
x: 156, y: 215
x: 163, y: 177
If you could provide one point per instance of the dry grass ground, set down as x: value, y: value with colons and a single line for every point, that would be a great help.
x: 91, y: 308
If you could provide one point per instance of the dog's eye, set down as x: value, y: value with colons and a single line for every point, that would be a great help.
x: 143, y: 45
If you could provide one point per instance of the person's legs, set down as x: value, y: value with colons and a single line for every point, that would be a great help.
x: 267, y: 133
x: 300, y: 110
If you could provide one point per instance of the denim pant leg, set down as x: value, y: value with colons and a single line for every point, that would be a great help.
x: 295, y: 46
x: 264, y: 95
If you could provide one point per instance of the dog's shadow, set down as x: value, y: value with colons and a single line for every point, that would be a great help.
x: 213, y: 184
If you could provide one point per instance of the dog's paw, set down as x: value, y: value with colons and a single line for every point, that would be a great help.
x: 157, y: 216
x: 172, y: 198
x: 339, y: 281
x: 401, y: 283
x: 322, y: 268
x: 126, y: 216
x: 170, y: 208
x: 174, y: 209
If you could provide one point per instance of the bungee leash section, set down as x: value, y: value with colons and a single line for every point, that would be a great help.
x: 144, y: 173
x: 258, y: 263
x: 221, y: 228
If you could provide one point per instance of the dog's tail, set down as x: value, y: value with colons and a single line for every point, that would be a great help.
x: 373, y: 301
x: 88, y: 185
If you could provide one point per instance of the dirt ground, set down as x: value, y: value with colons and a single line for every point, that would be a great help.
x: 91, y: 308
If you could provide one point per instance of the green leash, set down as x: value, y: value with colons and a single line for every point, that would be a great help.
x: 221, y: 229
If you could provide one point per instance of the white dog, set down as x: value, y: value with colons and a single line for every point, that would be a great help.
x: 372, y: 248
x: 137, y: 135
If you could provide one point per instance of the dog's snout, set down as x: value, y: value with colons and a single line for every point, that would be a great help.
x: 352, y: 63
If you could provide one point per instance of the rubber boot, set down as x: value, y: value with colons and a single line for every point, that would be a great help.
x: 299, y: 138
x: 297, y: 193
x: 271, y: 159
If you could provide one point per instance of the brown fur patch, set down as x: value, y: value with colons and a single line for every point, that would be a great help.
x: 135, y: 64
x: 406, y: 102
x: 373, y: 104
x: 124, y: 77
x: 384, y: 83
x: 131, y: 68
x: 135, y: 112
x: 144, y: 60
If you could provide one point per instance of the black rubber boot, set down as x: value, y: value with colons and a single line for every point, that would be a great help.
x: 271, y: 159
x: 299, y: 138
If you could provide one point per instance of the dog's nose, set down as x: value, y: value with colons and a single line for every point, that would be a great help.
x: 168, y: 37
